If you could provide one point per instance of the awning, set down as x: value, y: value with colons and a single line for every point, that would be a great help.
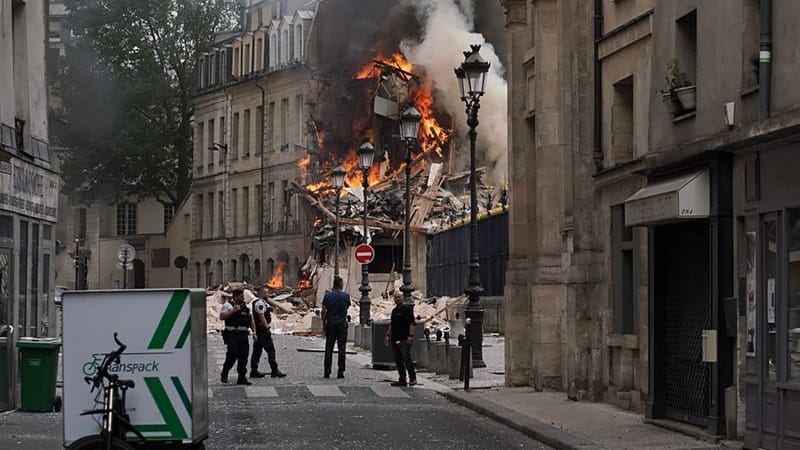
x: 679, y: 198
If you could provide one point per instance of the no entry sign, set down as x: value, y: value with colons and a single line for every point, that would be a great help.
x: 364, y: 254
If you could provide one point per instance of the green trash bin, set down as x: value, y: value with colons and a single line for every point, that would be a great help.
x: 38, y: 372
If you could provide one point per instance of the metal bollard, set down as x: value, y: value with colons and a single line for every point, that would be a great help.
x: 466, y: 354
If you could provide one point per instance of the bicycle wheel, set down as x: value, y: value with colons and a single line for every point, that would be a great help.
x: 98, y: 443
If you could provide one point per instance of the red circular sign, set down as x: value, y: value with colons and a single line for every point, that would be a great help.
x: 364, y: 254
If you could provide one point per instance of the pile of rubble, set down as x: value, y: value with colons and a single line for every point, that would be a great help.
x: 439, y: 200
x: 294, y: 310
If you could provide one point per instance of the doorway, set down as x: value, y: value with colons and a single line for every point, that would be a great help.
x: 6, y: 329
x: 138, y: 274
x: 682, y: 310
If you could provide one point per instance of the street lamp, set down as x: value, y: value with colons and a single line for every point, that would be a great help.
x: 338, y: 183
x: 365, y: 155
x: 472, y: 82
x: 409, y: 130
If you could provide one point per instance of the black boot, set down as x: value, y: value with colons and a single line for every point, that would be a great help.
x: 243, y: 381
x: 277, y: 374
x: 256, y: 374
x: 224, y: 378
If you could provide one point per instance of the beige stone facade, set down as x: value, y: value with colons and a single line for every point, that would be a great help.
x: 251, y: 117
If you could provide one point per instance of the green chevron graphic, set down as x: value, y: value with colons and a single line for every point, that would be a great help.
x: 172, y: 423
x: 168, y: 320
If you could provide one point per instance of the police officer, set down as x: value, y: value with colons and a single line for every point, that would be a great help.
x: 238, y: 324
x: 262, y: 316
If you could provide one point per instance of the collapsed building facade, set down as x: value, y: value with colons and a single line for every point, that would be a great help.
x: 281, y: 103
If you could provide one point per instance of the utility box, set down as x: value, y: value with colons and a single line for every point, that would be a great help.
x: 165, y: 334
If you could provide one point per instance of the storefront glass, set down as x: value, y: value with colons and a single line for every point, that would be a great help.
x: 793, y: 306
x: 770, y: 273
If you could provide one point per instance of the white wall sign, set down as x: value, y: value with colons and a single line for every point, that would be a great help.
x: 28, y: 190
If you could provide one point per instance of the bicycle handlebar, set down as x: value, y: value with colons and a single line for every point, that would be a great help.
x: 102, y: 370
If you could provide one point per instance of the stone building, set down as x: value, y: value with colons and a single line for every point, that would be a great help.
x: 28, y: 188
x: 250, y: 131
x: 689, y: 310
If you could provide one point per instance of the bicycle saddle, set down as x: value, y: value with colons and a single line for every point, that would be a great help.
x: 126, y: 383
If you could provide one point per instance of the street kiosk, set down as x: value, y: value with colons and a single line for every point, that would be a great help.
x: 165, y: 334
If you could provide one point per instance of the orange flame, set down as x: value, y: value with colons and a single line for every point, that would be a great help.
x: 276, y: 282
x: 303, y: 284
x: 397, y: 60
x: 304, y: 162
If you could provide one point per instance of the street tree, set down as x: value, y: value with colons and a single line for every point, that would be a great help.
x: 126, y: 85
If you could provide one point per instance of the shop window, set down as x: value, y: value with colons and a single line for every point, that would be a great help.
x: 770, y: 249
x: 23, y: 276
x: 622, y: 272
x: 126, y: 219
x: 793, y: 307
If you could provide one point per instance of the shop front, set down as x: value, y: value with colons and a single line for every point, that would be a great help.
x: 688, y: 216
x: 768, y: 210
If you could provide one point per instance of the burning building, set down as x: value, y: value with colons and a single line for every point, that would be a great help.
x: 286, y: 98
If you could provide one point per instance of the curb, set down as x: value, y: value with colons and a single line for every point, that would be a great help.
x: 528, y: 426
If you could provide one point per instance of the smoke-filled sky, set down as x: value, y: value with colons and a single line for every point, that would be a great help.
x: 432, y: 34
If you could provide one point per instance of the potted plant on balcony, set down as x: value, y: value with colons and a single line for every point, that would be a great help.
x: 680, y: 94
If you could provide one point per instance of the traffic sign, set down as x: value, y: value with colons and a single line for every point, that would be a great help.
x: 364, y: 254
x: 126, y: 253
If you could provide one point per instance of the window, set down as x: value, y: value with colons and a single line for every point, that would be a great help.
x: 126, y: 219
x: 271, y: 198
x: 284, y: 124
x: 246, y: 210
x: 236, y: 61
x: 273, y: 130
x: 246, y: 57
x: 622, y: 272
x: 233, y: 269
x: 199, y: 216
x: 260, y: 206
x: 235, y: 211
x: 793, y: 300
x: 222, y: 134
x: 686, y: 45
x: 769, y: 244
x: 211, y: 232
x: 622, y: 121
x: 235, y: 137
x: 259, y: 129
x: 299, y: 117
x: 211, y: 146
x: 750, y: 44
x: 169, y: 214
x: 220, y: 215
x: 246, y: 135
x: 257, y: 269
x: 23, y: 276
x: 285, y: 202
x: 257, y: 64
x: 7, y: 226
x: 201, y: 146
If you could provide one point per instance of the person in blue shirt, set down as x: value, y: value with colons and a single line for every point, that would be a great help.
x: 334, y: 320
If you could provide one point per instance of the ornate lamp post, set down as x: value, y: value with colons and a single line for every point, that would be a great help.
x: 365, y: 156
x: 472, y: 81
x: 337, y: 175
x: 409, y: 130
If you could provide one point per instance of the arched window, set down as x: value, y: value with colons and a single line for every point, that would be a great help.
x: 270, y: 268
x: 197, y: 275
x: 245, y: 263
x: 208, y: 273
x: 257, y: 270
x: 218, y: 273
x: 233, y: 270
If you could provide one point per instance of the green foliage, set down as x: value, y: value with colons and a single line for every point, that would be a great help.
x: 126, y: 85
x: 676, y: 78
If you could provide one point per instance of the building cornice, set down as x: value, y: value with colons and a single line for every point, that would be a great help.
x: 516, y: 12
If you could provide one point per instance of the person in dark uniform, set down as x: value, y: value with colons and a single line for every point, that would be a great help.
x: 334, y: 319
x: 238, y: 325
x: 401, y: 336
x: 262, y: 317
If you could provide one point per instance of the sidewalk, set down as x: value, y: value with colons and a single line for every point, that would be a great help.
x: 551, y: 418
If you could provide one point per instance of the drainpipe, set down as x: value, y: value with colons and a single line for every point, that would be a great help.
x: 764, y: 59
x: 597, y: 154
x: 263, y: 150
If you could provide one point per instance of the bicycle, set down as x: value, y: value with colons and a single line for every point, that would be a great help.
x: 116, y: 423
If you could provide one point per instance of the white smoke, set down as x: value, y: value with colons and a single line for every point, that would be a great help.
x: 446, y: 34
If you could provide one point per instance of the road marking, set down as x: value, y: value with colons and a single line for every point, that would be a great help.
x: 389, y: 391
x: 260, y: 391
x: 325, y: 391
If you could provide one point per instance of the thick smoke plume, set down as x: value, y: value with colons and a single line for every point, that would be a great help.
x: 432, y: 34
x: 446, y: 32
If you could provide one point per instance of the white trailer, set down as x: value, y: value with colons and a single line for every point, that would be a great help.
x: 165, y: 334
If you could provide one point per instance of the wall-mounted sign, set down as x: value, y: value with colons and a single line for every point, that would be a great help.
x: 28, y: 190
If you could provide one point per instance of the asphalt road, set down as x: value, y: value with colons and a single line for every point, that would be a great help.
x: 306, y: 411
